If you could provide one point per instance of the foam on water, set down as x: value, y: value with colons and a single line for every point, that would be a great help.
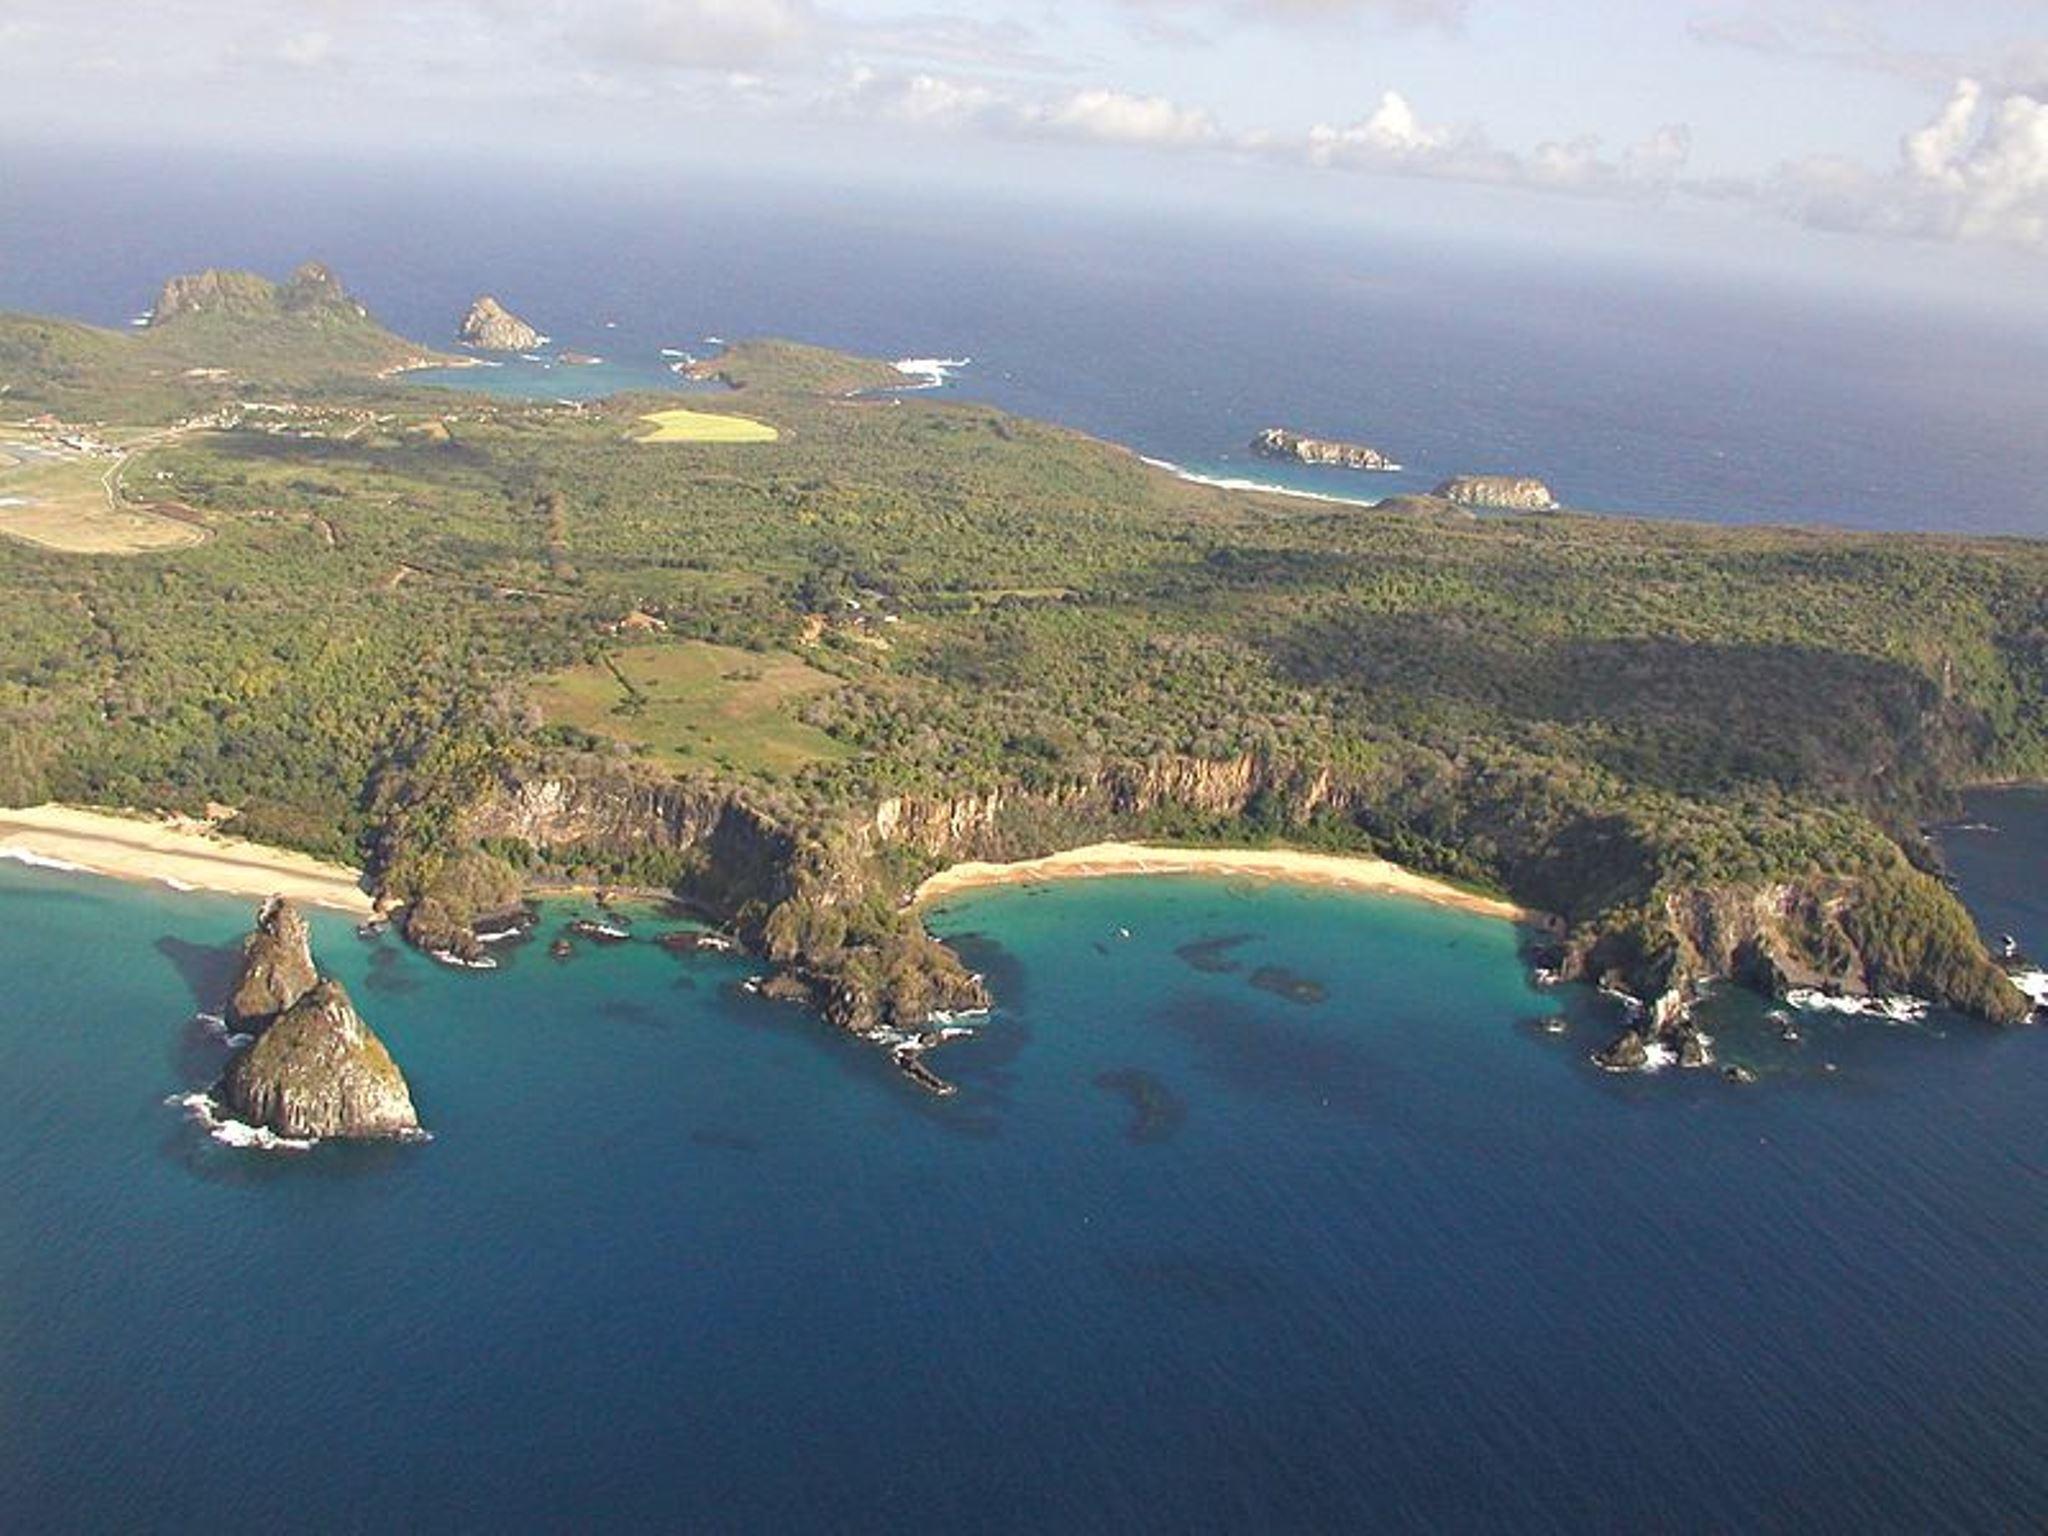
x: 41, y: 861
x: 1268, y: 487
x: 930, y: 372
x: 203, y: 1111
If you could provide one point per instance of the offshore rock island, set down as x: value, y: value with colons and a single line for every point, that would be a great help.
x: 482, y: 646
x: 314, y: 1070
x: 493, y: 328
x: 1279, y: 443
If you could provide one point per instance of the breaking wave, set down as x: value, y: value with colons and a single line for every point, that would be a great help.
x: 202, y: 1111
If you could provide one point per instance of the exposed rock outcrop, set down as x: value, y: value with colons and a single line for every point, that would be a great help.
x: 277, y: 968
x: 318, y: 1071
x: 1279, y: 443
x: 311, y: 288
x: 315, y: 1069
x: 494, y: 328
x: 1500, y: 493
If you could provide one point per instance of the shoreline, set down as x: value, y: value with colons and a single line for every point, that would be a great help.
x: 182, y: 853
x: 1358, y: 872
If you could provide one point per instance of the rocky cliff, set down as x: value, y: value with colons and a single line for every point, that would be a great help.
x: 1501, y: 493
x: 820, y: 893
x: 1279, y: 443
x: 315, y: 1069
x: 277, y: 968
x: 312, y: 288
x: 494, y: 328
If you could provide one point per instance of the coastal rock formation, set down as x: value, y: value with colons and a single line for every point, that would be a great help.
x: 1500, y: 493
x: 1279, y: 443
x: 318, y: 1071
x: 277, y: 968
x: 315, y: 1068
x: 245, y: 295
x: 494, y: 328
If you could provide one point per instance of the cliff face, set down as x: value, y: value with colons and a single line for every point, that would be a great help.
x: 1887, y: 933
x: 496, y: 329
x: 1279, y: 443
x: 737, y: 857
x: 277, y: 968
x: 1505, y: 493
x: 310, y: 289
x: 318, y: 1071
x: 315, y: 1068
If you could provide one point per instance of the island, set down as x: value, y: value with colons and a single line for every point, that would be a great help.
x: 1502, y: 493
x: 1279, y: 443
x: 491, y: 327
x: 873, y: 637
x: 311, y: 1068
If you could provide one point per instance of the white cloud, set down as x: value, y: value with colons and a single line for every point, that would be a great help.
x: 1394, y: 139
x: 1118, y: 117
x: 306, y: 50
x: 1977, y: 170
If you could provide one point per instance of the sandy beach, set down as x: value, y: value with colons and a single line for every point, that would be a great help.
x: 185, y: 855
x: 1097, y: 859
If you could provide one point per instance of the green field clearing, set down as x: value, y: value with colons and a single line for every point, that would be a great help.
x: 680, y: 426
x: 691, y: 704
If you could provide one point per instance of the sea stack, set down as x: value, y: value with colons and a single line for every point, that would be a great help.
x: 494, y: 328
x: 1501, y: 493
x: 315, y: 1069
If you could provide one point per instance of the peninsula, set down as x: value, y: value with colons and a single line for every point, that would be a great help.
x: 476, y: 645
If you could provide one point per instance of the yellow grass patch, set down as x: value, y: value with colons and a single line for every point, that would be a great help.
x: 65, y: 504
x: 681, y: 426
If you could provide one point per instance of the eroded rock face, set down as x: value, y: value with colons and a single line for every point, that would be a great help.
x: 315, y: 1069
x: 1503, y: 493
x: 496, y: 329
x: 277, y: 968
x: 318, y: 1071
x: 1279, y: 443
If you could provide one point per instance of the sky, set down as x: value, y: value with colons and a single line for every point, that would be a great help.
x: 1892, y: 122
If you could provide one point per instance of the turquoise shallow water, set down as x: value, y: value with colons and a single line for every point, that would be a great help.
x: 1278, y: 1212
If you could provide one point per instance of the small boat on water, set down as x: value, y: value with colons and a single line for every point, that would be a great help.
x: 2008, y: 947
x: 601, y: 930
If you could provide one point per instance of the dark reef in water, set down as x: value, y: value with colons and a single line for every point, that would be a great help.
x: 1281, y: 982
x: 1157, y: 1112
x: 1213, y: 955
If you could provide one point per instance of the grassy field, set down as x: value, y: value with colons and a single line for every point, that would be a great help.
x: 680, y: 426
x: 65, y: 501
x: 692, y: 704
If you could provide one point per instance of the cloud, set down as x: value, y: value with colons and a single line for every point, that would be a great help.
x: 698, y: 34
x: 1849, y: 39
x: 1100, y: 114
x: 1448, y: 15
x: 1976, y: 170
x: 1117, y: 117
x: 1393, y: 139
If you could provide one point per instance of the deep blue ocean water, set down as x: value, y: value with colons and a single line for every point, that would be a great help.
x: 1179, y: 335
x: 1280, y: 1213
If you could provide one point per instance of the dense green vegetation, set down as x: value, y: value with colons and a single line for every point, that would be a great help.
x: 1592, y: 713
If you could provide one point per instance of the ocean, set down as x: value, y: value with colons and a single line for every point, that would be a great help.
x: 1692, y: 394
x: 1259, y: 1208
x: 1286, y: 1211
